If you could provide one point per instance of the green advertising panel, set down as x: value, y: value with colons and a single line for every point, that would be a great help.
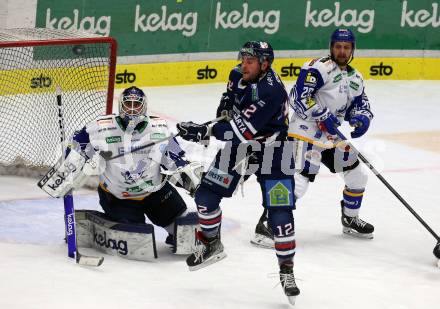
x: 191, y: 26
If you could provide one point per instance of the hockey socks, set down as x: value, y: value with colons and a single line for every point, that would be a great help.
x: 210, y: 222
x: 352, y: 224
x: 352, y: 200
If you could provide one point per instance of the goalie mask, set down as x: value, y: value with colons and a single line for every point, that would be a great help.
x: 133, y: 105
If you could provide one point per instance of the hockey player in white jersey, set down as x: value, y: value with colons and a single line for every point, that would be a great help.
x: 327, y: 92
x: 135, y: 185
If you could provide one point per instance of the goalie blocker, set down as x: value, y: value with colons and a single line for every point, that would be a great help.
x: 130, y: 240
x: 70, y: 173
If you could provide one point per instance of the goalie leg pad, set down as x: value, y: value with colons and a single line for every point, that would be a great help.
x: 128, y: 240
x: 185, y: 229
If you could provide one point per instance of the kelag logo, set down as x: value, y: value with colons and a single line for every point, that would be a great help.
x: 289, y: 71
x: 125, y: 77
x: 92, y: 24
x: 381, y: 69
x: 206, y: 73
x: 41, y: 82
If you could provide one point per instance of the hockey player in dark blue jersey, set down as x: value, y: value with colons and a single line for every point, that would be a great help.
x: 256, y: 105
x: 327, y: 92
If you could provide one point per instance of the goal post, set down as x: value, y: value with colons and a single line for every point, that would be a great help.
x: 33, y: 62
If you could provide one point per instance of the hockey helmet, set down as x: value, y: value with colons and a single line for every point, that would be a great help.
x: 132, y: 103
x: 260, y: 49
x: 343, y: 35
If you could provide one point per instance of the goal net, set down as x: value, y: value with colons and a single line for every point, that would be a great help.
x: 33, y: 62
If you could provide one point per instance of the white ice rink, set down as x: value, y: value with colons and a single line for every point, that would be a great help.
x: 394, y: 270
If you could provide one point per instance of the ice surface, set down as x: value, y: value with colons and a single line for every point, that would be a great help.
x: 394, y: 270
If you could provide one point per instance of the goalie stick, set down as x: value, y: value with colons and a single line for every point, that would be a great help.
x: 69, y: 209
x: 108, y: 155
x: 436, y: 250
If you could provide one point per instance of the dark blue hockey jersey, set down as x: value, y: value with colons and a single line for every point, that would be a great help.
x: 260, y: 110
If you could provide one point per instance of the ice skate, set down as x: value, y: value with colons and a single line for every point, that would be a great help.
x: 209, y: 251
x: 355, y: 226
x: 263, y: 236
x: 287, y: 280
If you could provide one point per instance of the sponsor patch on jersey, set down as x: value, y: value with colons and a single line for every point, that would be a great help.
x: 303, y: 127
x: 310, y: 80
x: 107, y: 129
x: 105, y: 121
x: 254, y: 92
x: 354, y: 85
x: 221, y: 178
x: 279, y: 192
x: 310, y: 102
x: 269, y: 79
x: 158, y: 135
x: 337, y: 78
x: 143, y: 185
x: 113, y: 139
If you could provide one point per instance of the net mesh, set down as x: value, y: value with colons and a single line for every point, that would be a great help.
x: 29, y: 74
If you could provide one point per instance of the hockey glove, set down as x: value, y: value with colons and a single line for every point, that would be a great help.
x: 225, y: 107
x: 361, y: 123
x: 187, y: 177
x: 327, y: 122
x: 193, y: 132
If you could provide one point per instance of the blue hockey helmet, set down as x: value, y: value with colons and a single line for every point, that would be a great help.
x: 132, y: 103
x: 260, y: 49
x: 343, y: 35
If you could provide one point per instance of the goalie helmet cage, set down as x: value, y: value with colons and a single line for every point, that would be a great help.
x: 33, y: 62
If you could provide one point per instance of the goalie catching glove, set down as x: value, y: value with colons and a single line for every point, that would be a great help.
x: 70, y: 173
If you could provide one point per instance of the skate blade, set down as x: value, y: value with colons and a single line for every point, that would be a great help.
x: 208, y: 262
x: 353, y: 233
x: 262, y: 242
x: 291, y: 300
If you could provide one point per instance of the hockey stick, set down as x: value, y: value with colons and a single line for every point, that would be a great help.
x: 436, y: 250
x: 108, y: 155
x: 69, y: 209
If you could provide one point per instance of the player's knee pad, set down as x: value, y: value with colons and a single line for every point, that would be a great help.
x: 185, y: 229
x: 207, y: 199
x: 281, y: 221
x: 301, y: 185
x: 133, y: 241
x: 356, y: 178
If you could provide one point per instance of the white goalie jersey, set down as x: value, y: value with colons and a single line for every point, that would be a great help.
x: 137, y: 174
